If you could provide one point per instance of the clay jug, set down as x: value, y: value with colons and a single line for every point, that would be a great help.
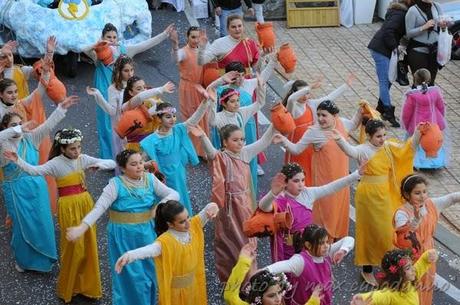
x: 282, y: 120
x: 104, y: 52
x: 56, y: 90
x: 210, y: 74
x: 133, y: 121
x: 265, y: 34
x: 287, y: 58
x: 431, y: 139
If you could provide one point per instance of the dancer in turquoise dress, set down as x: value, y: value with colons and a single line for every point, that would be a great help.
x: 130, y: 199
x: 33, y: 242
x: 103, y: 79
x: 171, y: 148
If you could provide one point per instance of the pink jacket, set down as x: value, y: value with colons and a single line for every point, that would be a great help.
x: 423, y: 107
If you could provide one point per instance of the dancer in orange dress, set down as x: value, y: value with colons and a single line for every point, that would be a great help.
x: 190, y: 77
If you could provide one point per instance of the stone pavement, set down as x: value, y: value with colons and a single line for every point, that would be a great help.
x: 337, y: 52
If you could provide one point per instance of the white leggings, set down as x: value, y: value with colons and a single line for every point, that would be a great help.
x: 259, y: 10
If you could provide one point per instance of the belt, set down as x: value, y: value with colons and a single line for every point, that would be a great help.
x: 374, y: 179
x: 126, y: 217
x: 71, y: 190
x: 183, y: 281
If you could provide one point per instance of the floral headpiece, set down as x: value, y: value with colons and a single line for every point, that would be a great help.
x: 279, y: 279
x: 68, y: 136
x: 228, y: 94
x: 170, y: 110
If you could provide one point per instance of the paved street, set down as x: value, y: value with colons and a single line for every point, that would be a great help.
x: 333, y: 52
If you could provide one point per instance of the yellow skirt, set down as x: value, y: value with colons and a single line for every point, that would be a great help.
x: 79, y: 273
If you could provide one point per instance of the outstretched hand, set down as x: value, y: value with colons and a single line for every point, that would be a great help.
x: 196, y: 131
x: 249, y: 250
x: 212, y: 210
x: 338, y: 256
x: 91, y: 91
x: 333, y: 134
x: 278, y: 183
x: 278, y: 138
x: 169, y: 87
x: 69, y: 101
x: 51, y: 44
x: 121, y: 262
x: 203, y: 38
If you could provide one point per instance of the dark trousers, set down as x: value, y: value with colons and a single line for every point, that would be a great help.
x: 418, y: 60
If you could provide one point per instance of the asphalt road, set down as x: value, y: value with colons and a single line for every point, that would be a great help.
x: 157, y: 67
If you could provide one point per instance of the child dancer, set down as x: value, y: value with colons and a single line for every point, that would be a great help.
x: 123, y: 70
x: 130, y: 199
x: 79, y: 272
x: 400, y: 279
x: 426, y: 104
x: 178, y: 253
x: 132, y: 94
x: 26, y: 197
x: 376, y: 196
x: 171, y: 148
x: 419, y: 214
x: 135, y: 95
x: 103, y: 76
x: 231, y: 190
x: 302, y: 106
x: 190, y: 77
x: 288, y: 191
x: 264, y: 288
x: 329, y: 163
x: 312, y: 264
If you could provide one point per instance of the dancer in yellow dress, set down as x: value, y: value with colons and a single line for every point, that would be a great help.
x: 377, y: 195
x: 79, y: 260
x: 178, y: 253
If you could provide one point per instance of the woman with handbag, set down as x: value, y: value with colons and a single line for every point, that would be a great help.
x: 423, y: 25
x: 289, y: 193
x: 381, y: 47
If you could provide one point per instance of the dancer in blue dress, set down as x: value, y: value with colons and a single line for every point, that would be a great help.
x: 33, y: 243
x: 171, y: 148
x: 103, y: 78
x: 130, y: 199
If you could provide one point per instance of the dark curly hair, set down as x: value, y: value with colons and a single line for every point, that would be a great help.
x: 260, y: 282
x: 372, y: 126
x: 291, y: 169
x: 328, y: 106
x: 393, y: 275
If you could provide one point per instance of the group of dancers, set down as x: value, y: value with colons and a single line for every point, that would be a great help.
x: 148, y: 201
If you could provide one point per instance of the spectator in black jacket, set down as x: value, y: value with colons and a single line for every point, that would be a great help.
x: 225, y: 8
x: 381, y: 46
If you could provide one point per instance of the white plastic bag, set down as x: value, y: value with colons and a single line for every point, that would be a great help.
x: 346, y: 13
x: 393, y: 67
x: 444, y: 47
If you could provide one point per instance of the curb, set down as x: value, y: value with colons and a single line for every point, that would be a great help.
x: 442, y: 235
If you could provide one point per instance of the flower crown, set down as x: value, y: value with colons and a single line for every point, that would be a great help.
x: 228, y: 94
x: 280, y: 279
x: 68, y: 136
x: 170, y: 110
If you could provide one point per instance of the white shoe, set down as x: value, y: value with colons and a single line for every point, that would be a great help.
x: 18, y: 269
x: 260, y: 171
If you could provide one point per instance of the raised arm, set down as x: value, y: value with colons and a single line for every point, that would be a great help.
x: 294, y: 97
x: 340, y: 248
x: 196, y: 117
x: 42, y: 131
x: 209, y: 149
x: 132, y: 50
x: 250, y: 151
x: 353, y: 124
x: 137, y: 100
x: 331, y: 96
x: 446, y: 201
x: 296, y: 148
x: 293, y: 265
x: 317, y: 192
x: 40, y: 90
x: 267, y: 71
x: 8, y: 133
x: 248, y: 111
x: 96, y: 163
x: 100, y: 100
x: 208, y: 212
x: 350, y: 150
x: 49, y: 168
